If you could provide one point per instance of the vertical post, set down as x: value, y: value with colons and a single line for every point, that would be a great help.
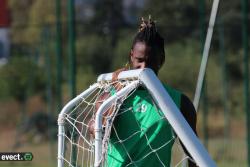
x: 245, y: 39
x: 48, y: 70
x: 202, y: 10
x: 61, y: 132
x: 205, y: 53
x: 224, y: 77
x: 45, y: 37
x: 72, y: 68
x: 72, y: 61
x: 58, y: 55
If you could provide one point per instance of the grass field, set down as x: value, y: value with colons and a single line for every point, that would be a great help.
x: 230, y: 153
x: 44, y: 153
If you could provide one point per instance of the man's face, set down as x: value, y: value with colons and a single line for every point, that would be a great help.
x: 140, y: 57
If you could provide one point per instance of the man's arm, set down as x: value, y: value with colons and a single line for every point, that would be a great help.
x: 101, y: 99
x: 188, y: 111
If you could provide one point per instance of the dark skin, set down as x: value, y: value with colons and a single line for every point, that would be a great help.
x: 140, y: 58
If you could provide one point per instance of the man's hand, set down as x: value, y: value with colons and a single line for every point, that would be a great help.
x: 102, y: 98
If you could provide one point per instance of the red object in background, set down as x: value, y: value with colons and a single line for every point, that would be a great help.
x: 4, y: 14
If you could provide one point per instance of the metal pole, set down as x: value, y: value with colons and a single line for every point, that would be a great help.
x: 48, y: 69
x: 203, y: 89
x: 245, y: 6
x: 72, y: 51
x: 45, y: 41
x: 205, y: 53
x: 72, y: 68
x: 58, y: 55
x: 224, y: 77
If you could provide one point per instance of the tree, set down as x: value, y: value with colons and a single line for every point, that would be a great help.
x: 175, y: 19
x: 94, y: 52
x: 22, y: 78
x: 28, y: 19
x: 108, y: 18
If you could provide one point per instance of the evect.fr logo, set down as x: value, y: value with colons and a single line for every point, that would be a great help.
x: 16, y: 156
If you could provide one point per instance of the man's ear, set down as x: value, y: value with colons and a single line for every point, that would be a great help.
x: 130, y: 55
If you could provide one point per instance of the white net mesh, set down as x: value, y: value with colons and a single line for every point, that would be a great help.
x: 135, y: 131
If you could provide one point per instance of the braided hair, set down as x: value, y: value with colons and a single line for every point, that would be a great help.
x: 149, y: 35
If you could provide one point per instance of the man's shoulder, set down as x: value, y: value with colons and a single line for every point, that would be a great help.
x: 174, y: 94
x: 170, y: 89
x: 184, y: 99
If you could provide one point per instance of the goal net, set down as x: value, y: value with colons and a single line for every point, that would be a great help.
x: 125, y: 123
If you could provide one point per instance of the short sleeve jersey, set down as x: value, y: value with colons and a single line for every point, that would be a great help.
x: 141, y: 135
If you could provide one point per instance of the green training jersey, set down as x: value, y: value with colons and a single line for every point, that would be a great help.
x: 141, y: 135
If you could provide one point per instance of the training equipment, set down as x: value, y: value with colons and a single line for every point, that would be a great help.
x: 86, y: 122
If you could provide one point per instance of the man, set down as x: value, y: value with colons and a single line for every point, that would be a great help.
x: 141, y: 136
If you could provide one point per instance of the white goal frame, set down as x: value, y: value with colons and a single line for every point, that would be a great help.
x: 149, y: 80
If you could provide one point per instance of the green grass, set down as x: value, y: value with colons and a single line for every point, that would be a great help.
x: 230, y: 153
x: 24, y: 164
x: 43, y: 155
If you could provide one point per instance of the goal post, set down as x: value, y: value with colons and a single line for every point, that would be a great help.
x: 132, y: 78
x: 61, y: 122
x: 98, y: 119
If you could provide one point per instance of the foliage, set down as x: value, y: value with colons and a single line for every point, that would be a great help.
x: 85, y: 78
x: 19, y: 19
x: 122, y: 50
x: 21, y: 78
x: 94, y: 52
x: 104, y: 40
x: 175, y: 19
x: 3, y: 86
x: 108, y: 18
x: 28, y: 16
x: 229, y: 12
x: 181, y: 65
